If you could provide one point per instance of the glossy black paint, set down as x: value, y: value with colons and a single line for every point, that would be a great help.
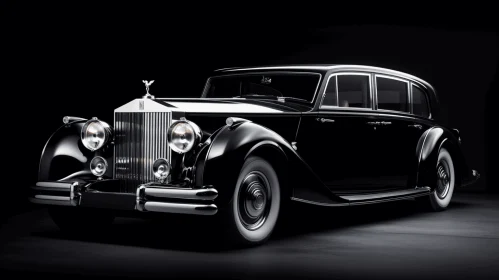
x: 341, y: 152
x: 233, y: 145
x: 65, y: 158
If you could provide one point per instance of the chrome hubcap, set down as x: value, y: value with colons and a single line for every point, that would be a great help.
x: 443, y: 177
x: 254, y: 200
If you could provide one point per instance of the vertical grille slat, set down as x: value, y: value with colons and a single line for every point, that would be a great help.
x: 140, y: 139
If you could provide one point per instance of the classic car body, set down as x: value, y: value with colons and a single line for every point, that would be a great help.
x: 358, y: 135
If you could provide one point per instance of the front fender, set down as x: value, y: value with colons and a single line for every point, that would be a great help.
x: 65, y: 158
x: 231, y: 147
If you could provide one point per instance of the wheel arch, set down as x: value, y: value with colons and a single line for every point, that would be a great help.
x: 429, y: 146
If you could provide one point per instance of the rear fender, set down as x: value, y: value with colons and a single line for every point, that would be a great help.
x: 427, y: 156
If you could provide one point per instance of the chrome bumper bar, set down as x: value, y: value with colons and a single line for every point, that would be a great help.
x: 56, y: 193
x: 188, y: 201
x: 149, y: 197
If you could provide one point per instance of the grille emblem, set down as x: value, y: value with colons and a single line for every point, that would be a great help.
x: 141, y: 104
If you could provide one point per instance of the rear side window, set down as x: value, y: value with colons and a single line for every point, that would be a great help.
x: 392, y: 94
x: 353, y: 91
x: 420, y: 102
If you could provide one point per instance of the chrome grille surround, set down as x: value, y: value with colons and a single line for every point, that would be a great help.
x: 140, y: 139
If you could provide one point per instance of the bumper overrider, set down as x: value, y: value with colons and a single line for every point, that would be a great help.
x: 151, y: 197
x: 154, y: 198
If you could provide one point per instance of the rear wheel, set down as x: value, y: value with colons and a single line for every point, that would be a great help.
x: 440, y: 198
x: 253, y: 211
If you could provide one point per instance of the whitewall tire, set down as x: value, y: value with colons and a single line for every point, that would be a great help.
x: 440, y: 198
x: 255, y: 205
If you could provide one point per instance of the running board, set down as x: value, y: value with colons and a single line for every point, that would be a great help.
x: 358, y: 199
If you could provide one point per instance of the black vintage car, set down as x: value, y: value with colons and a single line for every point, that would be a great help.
x: 257, y: 139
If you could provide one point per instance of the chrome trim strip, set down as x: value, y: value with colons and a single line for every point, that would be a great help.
x: 196, y: 194
x: 79, y: 173
x: 388, y: 199
x: 319, y: 203
x: 179, y: 208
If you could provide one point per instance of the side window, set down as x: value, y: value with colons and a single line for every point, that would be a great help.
x: 353, y: 91
x: 330, y: 94
x: 392, y: 94
x: 419, y: 102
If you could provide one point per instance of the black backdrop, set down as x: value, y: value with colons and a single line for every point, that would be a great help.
x: 86, y: 63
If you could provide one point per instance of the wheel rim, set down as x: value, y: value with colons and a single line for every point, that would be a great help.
x: 443, y: 179
x: 254, y: 200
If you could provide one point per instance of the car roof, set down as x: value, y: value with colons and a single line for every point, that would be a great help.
x: 328, y: 67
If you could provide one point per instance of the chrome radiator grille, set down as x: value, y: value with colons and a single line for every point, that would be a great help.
x: 140, y: 138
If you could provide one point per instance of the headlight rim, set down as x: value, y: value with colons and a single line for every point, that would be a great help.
x: 198, y: 135
x: 107, y: 133
x: 106, y: 166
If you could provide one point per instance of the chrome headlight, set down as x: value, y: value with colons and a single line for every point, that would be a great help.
x: 183, y: 135
x: 95, y: 133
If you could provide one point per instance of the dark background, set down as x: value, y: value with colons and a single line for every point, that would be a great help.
x: 86, y: 60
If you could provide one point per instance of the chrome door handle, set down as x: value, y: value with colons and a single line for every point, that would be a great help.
x: 418, y: 126
x: 323, y: 120
x: 385, y: 123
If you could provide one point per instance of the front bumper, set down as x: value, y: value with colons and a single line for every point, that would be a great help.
x: 169, y: 199
x: 165, y: 198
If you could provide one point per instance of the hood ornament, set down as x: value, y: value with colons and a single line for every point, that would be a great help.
x: 148, y: 84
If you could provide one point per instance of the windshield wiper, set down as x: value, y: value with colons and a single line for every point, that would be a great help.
x: 266, y: 96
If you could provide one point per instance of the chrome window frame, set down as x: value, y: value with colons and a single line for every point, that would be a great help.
x: 409, y: 93
x: 312, y: 102
x: 349, y: 73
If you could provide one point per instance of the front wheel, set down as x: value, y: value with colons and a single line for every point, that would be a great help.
x: 440, y: 198
x: 253, y: 211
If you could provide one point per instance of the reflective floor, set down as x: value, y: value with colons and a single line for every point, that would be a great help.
x: 393, y: 241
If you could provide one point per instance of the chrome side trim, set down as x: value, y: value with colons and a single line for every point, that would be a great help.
x: 196, y: 194
x: 319, y: 203
x: 179, y: 208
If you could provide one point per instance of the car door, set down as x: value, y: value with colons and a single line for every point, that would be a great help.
x: 341, y: 134
x: 398, y: 131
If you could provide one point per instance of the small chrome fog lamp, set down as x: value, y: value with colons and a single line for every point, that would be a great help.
x: 98, y: 166
x: 161, y: 169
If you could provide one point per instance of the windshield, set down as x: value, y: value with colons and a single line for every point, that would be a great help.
x: 296, y: 86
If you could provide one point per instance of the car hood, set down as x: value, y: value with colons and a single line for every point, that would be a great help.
x: 210, y: 114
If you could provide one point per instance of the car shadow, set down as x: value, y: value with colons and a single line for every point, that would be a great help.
x: 197, y: 234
